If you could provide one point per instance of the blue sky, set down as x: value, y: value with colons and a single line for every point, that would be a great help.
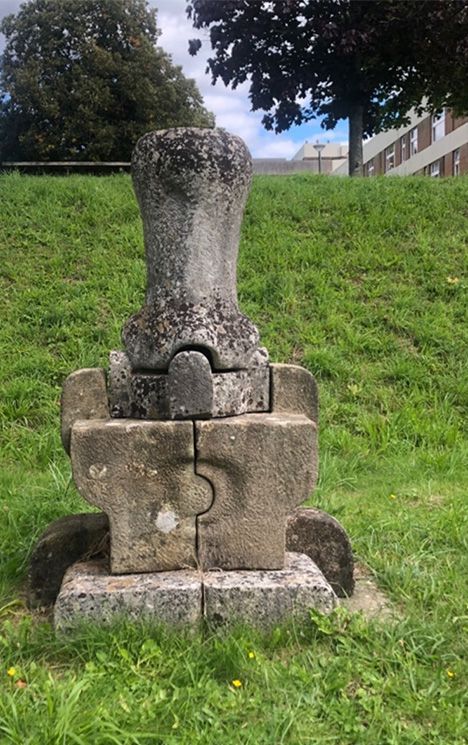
x: 231, y: 108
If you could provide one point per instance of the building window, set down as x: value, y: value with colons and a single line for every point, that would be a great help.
x: 370, y: 167
x: 438, y: 126
x: 456, y: 162
x: 389, y: 157
x: 434, y: 169
x: 413, y: 142
x: 403, y: 149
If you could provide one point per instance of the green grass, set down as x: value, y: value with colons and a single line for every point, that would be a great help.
x: 363, y: 282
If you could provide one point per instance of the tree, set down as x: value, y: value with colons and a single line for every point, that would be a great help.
x: 368, y: 62
x: 83, y: 80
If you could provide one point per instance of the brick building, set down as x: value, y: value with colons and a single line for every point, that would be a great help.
x: 429, y: 145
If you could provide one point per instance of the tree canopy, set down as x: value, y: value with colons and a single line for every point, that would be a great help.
x: 368, y: 62
x: 83, y: 80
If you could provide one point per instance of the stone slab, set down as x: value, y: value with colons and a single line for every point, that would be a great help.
x: 260, y: 599
x: 194, y: 391
x: 90, y: 594
x: 267, y: 598
x: 318, y: 535
x: 294, y: 390
x: 66, y: 540
x: 261, y: 466
x: 84, y: 396
x: 141, y: 474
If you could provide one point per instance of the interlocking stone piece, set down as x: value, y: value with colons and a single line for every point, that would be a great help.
x: 261, y: 467
x: 90, y: 594
x: 266, y: 598
x: 294, y: 390
x: 191, y: 185
x: 145, y: 395
x: 190, y: 386
x: 141, y: 474
x: 84, y: 396
x: 66, y: 540
x: 318, y: 535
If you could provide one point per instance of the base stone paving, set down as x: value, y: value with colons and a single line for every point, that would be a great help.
x: 183, y: 597
x: 267, y: 598
x: 90, y: 593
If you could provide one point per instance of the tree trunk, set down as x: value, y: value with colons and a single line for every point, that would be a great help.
x: 356, y: 127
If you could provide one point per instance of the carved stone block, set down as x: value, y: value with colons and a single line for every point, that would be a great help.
x: 141, y: 474
x: 84, y: 396
x: 260, y: 466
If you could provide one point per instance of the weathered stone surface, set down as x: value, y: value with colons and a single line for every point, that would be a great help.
x: 243, y: 391
x: 84, y: 396
x: 141, y: 474
x: 148, y: 396
x: 191, y: 185
x: 66, y: 540
x: 261, y: 466
x: 118, y: 384
x: 90, y: 593
x: 190, y: 386
x: 318, y: 535
x: 294, y: 391
x: 267, y: 598
x: 145, y: 395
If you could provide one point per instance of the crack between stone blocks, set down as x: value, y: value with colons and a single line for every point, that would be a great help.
x: 197, y: 538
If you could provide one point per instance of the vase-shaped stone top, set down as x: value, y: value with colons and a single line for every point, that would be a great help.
x: 192, y: 186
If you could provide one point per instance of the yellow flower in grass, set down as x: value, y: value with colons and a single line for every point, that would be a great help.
x: 11, y: 672
x: 251, y: 655
x: 450, y: 674
x: 237, y: 683
x: 392, y: 496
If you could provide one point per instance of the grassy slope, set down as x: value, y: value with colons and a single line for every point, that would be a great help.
x: 362, y: 282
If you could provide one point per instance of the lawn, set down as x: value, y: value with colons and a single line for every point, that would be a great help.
x: 363, y: 282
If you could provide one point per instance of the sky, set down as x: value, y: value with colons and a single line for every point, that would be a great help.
x: 231, y: 107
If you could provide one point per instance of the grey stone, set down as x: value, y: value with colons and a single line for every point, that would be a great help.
x: 241, y: 391
x: 261, y: 466
x: 141, y: 474
x: 191, y: 185
x: 294, y: 391
x: 90, y: 594
x: 84, y: 396
x: 65, y: 541
x: 145, y: 395
x: 318, y: 535
x: 149, y: 397
x: 118, y: 384
x: 190, y: 386
x: 266, y: 598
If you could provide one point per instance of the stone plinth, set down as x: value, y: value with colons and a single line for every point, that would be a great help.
x: 183, y: 598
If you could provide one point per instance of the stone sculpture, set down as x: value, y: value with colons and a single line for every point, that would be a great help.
x: 194, y: 445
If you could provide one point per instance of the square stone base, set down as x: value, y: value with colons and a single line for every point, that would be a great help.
x: 184, y: 597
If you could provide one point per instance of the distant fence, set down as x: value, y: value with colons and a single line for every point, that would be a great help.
x: 265, y: 166
x: 65, y: 167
